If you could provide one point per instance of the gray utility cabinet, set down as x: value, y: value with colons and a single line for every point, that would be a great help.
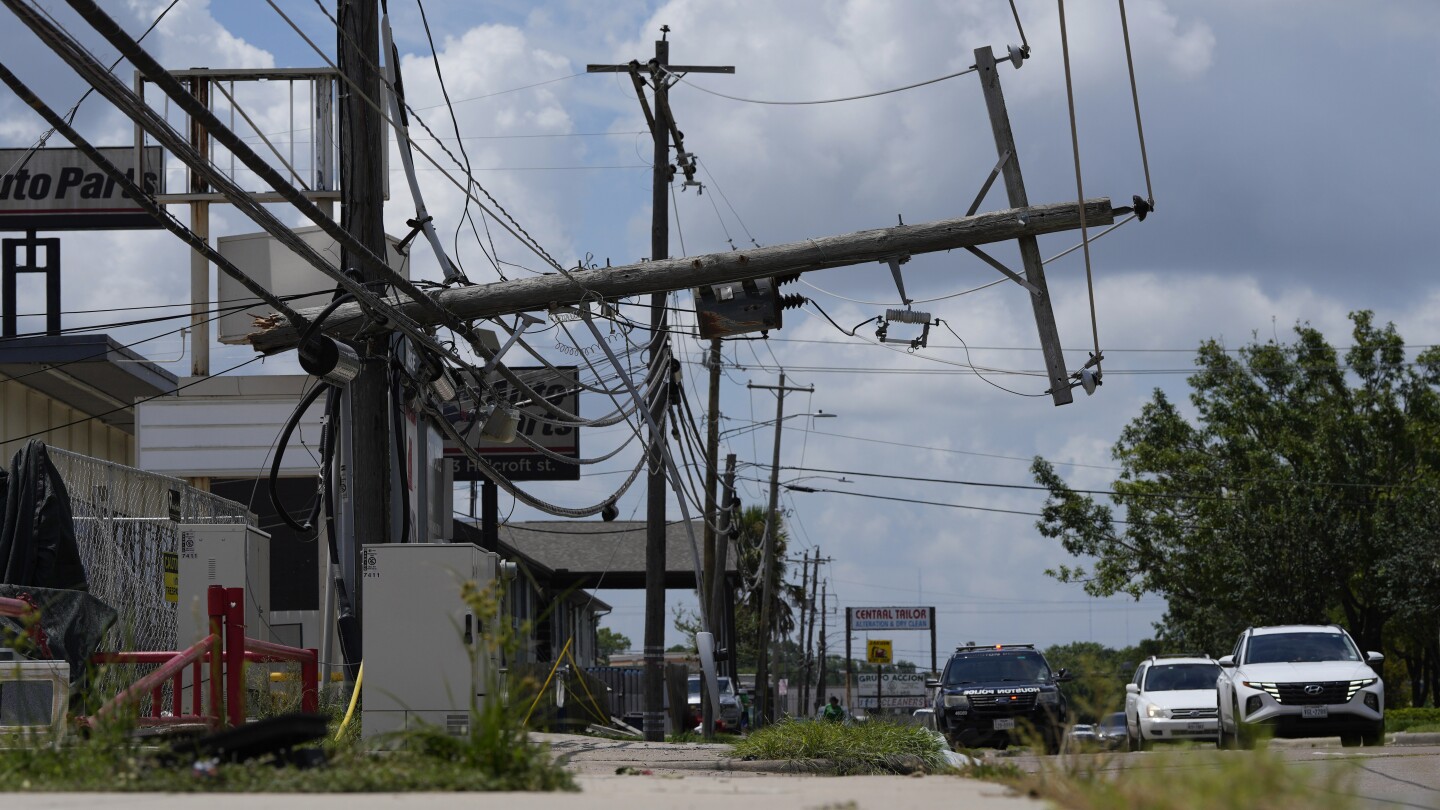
x: 427, y: 659
x: 233, y: 555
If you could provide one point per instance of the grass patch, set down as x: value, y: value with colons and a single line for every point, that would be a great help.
x: 1412, y: 720
x: 874, y: 747
x: 1192, y: 780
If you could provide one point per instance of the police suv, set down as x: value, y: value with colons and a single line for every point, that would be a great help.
x: 998, y: 694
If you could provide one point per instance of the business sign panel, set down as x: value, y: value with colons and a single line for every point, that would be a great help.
x: 61, y: 190
x: 893, y: 683
x: 517, y: 460
x: 878, y: 651
x: 891, y: 618
x: 893, y: 702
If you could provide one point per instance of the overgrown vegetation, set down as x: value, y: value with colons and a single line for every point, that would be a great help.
x: 496, y: 754
x: 863, y: 748
x: 1192, y: 780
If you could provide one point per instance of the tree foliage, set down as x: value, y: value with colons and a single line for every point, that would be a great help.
x: 784, y: 596
x: 1301, y: 488
x: 608, y: 642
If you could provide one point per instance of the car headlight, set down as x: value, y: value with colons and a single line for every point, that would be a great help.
x: 1155, y: 711
x: 1050, y: 698
x: 1356, y: 686
x: 957, y: 702
x: 1271, y: 689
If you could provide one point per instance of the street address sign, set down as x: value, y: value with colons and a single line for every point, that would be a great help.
x: 518, y: 460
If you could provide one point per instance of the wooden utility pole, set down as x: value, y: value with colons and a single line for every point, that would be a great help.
x: 535, y: 293
x: 362, y: 143
x: 810, y: 633
x: 767, y: 557
x: 820, y: 690
x: 712, y: 540
x: 1029, y: 248
x: 662, y: 130
x: 719, y: 588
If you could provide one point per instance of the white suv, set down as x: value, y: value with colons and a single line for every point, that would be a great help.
x: 1300, y: 681
x: 1171, y: 698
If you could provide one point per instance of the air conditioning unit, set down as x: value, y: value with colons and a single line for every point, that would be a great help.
x: 427, y: 657
x: 33, y: 695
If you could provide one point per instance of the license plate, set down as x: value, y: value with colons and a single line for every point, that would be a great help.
x: 1001, y: 725
x: 1194, y: 726
x: 1314, y: 711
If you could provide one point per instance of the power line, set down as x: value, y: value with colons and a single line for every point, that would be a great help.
x: 681, y: 77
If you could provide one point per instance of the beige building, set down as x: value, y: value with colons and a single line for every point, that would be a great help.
x: 75, y: 392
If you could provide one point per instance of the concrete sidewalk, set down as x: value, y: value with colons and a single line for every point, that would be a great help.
x: 654, y: 774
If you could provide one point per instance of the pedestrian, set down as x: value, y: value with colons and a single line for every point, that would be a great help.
x: 832, y: 712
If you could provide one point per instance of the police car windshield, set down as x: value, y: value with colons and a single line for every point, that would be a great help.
x: 996, y: 666
x: 1177, y: 677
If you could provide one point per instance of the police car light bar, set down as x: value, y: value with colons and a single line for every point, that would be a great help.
x: 995, y: 647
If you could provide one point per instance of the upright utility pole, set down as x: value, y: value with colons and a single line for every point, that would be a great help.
x: 762, y: 671
x: 820, y: 690
x: 711, y: 551
x: 804, y: 618
x: 362, y: 208
x: 662, y: 129
x: 810, y: 634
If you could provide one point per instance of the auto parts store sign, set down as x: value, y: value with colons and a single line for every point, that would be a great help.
x: 891, y: 618
x: 60, y: 190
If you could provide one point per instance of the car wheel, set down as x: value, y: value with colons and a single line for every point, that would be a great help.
x: 1132, y: 742
x: 1349, y: 740
x: 1142, y: 744
x: 1222, y: 740
x: 1375, y: 736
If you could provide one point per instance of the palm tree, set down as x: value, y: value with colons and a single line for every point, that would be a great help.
x: 750, y: 544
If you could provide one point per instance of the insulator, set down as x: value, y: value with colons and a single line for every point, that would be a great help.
x: 787, y: 278
x: 792, y: 301
x: 907, y: 316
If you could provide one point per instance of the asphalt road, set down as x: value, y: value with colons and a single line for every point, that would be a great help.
x: 1389, y: 778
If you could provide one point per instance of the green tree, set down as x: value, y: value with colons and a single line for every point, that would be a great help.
x: 784, y: 596
x: 608, y: 642
x: 1304, y: 490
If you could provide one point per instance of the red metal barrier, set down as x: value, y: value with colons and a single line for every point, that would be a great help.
x: 240, y: 648
x: 13, y: 608
x: 226, y: 650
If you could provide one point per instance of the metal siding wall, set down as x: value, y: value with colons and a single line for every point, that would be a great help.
x: 26, y: 411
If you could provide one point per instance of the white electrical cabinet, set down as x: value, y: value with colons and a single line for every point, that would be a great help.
x: 427, y: 658
x: 233, y: 555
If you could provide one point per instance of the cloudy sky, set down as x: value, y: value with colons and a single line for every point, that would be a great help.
x: 1291, y: 149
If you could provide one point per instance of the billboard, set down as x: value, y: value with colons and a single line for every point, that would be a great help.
x: 892, y: 683
x: 517, y: 460
x: 891, y: 618
x: 61, y: 190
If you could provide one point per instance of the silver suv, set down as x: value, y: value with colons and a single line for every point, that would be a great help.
x: 1300, y: 681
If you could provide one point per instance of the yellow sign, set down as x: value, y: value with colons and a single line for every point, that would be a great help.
x: 879, y: 652
x: 171, y: 564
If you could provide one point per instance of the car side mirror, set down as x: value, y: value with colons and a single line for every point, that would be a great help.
x: 1374, y: 657
x: 1064, y: 676
x: 1132, y: 688
x: 1226, y: 661
x: 931, y: 683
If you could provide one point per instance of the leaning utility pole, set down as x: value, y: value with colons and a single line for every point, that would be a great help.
x: 772, y: 526
x: 362, y: 182
x: 662, y: 130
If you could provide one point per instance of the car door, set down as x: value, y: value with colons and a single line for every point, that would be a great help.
x: 1225, y: 687
x: 1132, y: 701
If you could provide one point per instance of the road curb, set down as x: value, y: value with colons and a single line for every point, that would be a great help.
x: 902, y: 765
x: 1399, y: 738
x: 1417, y: 738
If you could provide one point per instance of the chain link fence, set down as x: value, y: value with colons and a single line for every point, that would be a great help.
x: 126, y: 521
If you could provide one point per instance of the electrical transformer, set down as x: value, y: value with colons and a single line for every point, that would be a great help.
x: 428, y: 659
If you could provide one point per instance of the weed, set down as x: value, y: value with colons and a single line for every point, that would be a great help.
x: 874, y: 747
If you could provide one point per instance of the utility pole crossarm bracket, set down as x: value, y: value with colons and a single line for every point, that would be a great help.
x: 1011, y: 274
x: 989, y: 181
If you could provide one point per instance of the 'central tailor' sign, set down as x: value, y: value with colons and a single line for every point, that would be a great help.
x: 891, y: 618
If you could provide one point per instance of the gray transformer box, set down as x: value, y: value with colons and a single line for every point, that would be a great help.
x: 427, y: 658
